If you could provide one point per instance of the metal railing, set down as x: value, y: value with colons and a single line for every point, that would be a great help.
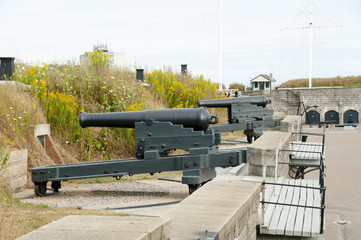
x: 322, y: 176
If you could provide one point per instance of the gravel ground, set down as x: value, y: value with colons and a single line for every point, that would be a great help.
x: 100, y: 195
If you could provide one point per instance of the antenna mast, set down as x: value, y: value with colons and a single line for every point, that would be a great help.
x: 220, y: 47
x: 311, y: 43
x: 310, y: 26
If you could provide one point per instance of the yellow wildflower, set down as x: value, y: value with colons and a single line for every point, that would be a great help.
x: 12, y: 143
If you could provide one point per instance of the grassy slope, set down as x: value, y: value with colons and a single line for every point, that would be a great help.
x: 350, y: 81
x: 57, y: 91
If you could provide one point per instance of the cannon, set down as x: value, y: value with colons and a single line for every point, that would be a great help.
x: 249, y: 114
x: 197, y: 118
x: 227, y: 102
x: 157, y: 132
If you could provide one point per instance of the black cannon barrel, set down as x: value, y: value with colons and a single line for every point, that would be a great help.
x: 197, y: 118
x: 227, y: 102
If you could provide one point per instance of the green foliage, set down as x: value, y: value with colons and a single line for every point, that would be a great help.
x: 42, y: 205
x: 65, y: 91
x: 4, y: 153
x: 98, y: 59
x: 237, y: 86
x: 180, y: 91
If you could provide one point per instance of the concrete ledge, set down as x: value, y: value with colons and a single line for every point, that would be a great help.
x: 103, y: 227
x: 221, y: 209
x: 41, y: 130
x: 16, y: 172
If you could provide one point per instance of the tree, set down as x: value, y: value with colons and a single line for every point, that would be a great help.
x: 237, y: 86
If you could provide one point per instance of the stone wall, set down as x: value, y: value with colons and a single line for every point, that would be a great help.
x: 339, y: 99
x: 16, y: 171
x: 42, y: 132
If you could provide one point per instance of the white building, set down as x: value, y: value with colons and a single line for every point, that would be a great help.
x: 116, y: 59
x: 263, y: 82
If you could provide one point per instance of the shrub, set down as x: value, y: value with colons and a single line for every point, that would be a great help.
x: 4, y: 153
x: 66, y: 90
x: 180, y: 91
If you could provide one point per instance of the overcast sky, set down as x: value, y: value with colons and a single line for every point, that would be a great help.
x: 154, y: 33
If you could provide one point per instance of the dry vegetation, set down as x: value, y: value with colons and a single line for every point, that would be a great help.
x: 18, y: 115
x: 351, y: 81
x: 17, y: 218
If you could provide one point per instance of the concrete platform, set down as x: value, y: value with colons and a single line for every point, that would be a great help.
x: 224, y: 208
x: 103, y: 227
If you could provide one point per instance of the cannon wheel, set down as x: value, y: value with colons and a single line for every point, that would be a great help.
x: 193, y: 187
x: 40, y: 189
x: 249, y: 138
x: 56, y: 185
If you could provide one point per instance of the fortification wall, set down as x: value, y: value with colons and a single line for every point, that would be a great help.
x: 338, y: 99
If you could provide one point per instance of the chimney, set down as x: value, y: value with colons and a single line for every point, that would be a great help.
x: 184, y: 69
x: 271, y: 75
x: 140, y: 74
x: 7, y: 67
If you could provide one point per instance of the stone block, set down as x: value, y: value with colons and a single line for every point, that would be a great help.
x: 16, y: 171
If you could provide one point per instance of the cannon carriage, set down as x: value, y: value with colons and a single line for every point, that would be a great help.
x: 157, y: 132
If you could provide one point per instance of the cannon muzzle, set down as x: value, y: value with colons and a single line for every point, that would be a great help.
x: 197, y: 118
x: 227, y: 102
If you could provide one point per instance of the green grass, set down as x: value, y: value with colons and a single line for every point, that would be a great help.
x: 354, y: 85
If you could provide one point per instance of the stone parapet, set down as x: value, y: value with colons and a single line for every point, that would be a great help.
x: 262, y: 153
x: 292, y: 124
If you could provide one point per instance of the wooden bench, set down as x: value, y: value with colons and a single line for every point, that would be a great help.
x: 291, y: 220
x: 305, y: 152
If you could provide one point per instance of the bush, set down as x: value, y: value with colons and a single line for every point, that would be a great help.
x: 64, y: 91
x: 180, y: 91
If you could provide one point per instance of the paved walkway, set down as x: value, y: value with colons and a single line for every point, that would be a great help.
x: 343, y: 194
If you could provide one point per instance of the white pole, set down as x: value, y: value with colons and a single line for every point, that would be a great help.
x: 220, y: 47
x: 311, y: 42
x: 277, y: 158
